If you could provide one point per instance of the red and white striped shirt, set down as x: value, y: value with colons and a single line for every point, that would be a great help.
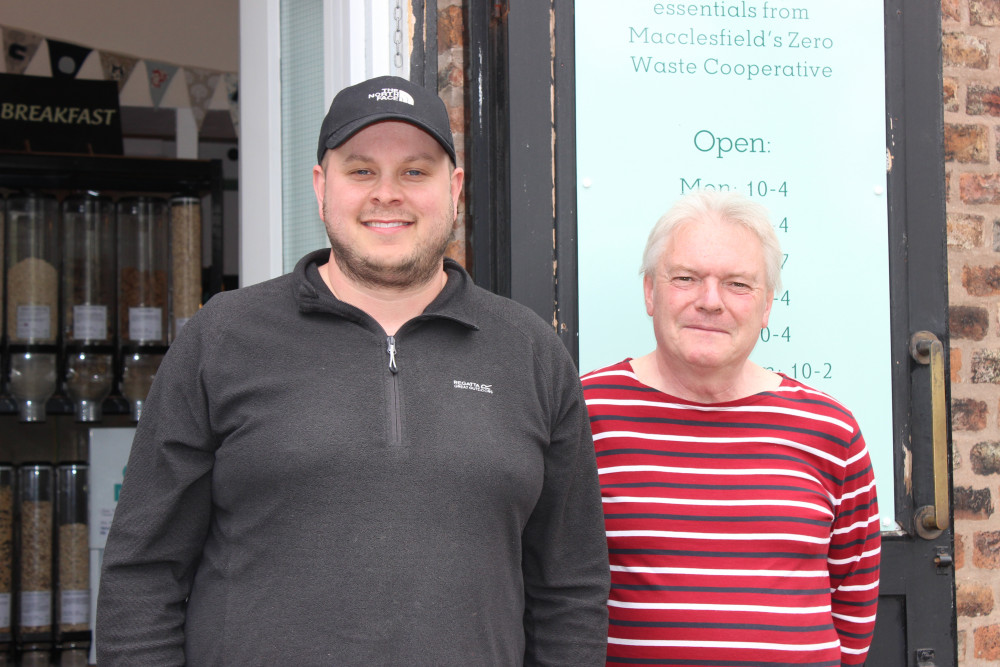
x: 739, y: 533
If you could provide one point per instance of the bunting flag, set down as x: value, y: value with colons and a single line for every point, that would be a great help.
x: 117, y: 67
x: 19, y: 48
x: 201, y: 85
x: 233, y: 97
x: 159, y: 76
x: 66, y: 58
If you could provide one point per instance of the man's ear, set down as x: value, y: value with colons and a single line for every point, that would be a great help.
x: 457, y: 178
x: 319, y: 187
x: 647, y: 291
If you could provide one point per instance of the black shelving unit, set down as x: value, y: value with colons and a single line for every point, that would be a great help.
x: 62, y: 174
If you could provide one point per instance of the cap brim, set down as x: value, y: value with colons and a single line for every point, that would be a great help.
x: 350, y: 129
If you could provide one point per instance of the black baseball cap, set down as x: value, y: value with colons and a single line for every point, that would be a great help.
x: 384, y: 98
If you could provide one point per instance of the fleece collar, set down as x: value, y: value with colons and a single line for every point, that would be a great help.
x: 455, y: 302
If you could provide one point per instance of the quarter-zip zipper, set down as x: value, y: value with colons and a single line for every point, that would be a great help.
x: 391, y: 349
x: 395, y: 422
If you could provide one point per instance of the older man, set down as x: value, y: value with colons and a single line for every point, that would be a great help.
x: 740, y: 505
x: 368, y: 461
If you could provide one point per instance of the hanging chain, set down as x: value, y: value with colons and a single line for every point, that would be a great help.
x: 398, y: 37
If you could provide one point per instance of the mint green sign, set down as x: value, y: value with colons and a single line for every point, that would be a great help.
x: 782, y: 102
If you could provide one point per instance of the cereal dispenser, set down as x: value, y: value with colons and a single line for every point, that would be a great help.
x: 3, y: 316
x: 32, y: 283
x: 185, y: 257
x: 6, y: 558
x: 143, y: 251
x: 72, y: 616
x: 34, y: 556
x: 88, y: 301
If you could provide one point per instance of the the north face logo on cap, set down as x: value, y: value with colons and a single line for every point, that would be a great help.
x: 392, y: 94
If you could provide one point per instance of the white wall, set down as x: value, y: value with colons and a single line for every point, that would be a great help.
x: 199, y: 33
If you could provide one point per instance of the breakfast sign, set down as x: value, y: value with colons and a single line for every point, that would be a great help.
x: 783, y: 102
x: 59, y: 114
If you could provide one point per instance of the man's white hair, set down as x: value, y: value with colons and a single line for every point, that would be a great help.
x: 729, y: 206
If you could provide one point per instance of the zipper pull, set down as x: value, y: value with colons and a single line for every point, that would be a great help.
x: 392, y: 354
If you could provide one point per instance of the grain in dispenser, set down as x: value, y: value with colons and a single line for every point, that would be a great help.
x: 32, y: 282
x: 88, y: 301
x: 3, y: 316
x: 185, y: 257
x: 35, y: 492
x: 72, y: 560
x: 6, y: 556
x: 143, y: 265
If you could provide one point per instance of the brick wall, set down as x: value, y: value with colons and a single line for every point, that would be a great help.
x: 451, y: 87
x: 971, y: 55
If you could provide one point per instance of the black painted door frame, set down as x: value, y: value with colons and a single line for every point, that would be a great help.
x: 522, y: 197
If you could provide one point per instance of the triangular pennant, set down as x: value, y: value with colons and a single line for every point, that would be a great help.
x: 66, y: 58
x: 201, y: 85
x: 233, y: 97
x: 117, y: 67
x: 19, y: 48
x: 159, y: 76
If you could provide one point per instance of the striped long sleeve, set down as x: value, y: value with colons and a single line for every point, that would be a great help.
x: 744, y: 532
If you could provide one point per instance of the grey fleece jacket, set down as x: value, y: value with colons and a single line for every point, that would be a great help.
x: 300, y: 494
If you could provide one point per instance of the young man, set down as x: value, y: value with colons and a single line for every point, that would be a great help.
x: 369, y: 460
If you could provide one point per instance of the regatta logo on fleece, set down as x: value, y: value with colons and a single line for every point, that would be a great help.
x: 474, y: 386
x: 393, y: 94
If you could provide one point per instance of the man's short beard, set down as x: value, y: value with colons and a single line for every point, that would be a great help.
x: 417, y: 269
x: 414, y: 270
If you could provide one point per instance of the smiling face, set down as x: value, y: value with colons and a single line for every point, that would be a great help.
x: 708, y: 297
x: 388, y: 197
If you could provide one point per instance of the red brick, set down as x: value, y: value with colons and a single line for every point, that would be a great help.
x: 968, y: 414
x: 962, y: 50
x: 986, y: 641
x: 981, y: 280
x: 971, y: 322
x: 985, y: 367
x: 985, y: 457
x: 979, y: 188
x: 982, y: 100
x: 955, y: 363
x: 986, y: 550
x: 456, y: 250
x: 973, y: 600
x: 950, y: 94
x: 965, y: 231
x: 456, y: 117
x: 966, y: 143
x: 451, y: 28
x: 973, y: 503
x: 959, y: 551
x: 984, y: 12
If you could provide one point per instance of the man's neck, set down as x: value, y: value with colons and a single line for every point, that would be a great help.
x: 704, y: 387
x: 391, y: 308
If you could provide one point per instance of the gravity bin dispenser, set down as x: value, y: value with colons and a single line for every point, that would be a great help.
x: 89, y: 304
x: 143, y: 261
x: 32, y: 286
